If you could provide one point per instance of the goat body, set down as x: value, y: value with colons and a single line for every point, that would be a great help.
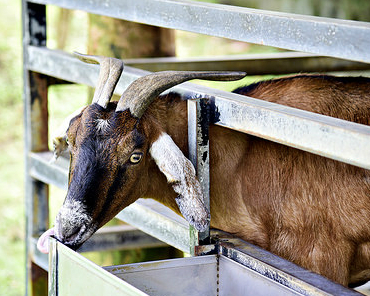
x: 303, y: 207
x: 308, y: 209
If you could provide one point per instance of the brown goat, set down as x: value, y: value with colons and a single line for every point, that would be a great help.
x: 306, y: 208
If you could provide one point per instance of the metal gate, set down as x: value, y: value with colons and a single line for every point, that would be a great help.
x: 344, y: 43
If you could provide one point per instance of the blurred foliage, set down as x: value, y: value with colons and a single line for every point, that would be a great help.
x: 11, y: 156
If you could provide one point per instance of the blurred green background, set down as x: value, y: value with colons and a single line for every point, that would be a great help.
x: 11, y: 151
x: 70, y: 97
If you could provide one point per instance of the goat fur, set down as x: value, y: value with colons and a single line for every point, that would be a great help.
x: 306, y: 208
x: 303, y: 207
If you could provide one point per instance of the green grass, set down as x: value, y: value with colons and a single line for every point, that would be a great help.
x: 12, y: 226
x: 12, y: 247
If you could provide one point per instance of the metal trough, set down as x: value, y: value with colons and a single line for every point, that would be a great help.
x: 234, y: 268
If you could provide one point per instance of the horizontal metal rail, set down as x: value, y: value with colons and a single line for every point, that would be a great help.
x: 120, y: 237
x: 332, y: 37
x: 159, y: 221
x: 50, y: 173
x: 330, y: 137
x: 253, y: 64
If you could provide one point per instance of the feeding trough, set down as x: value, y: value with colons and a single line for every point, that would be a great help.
x: 233, y: 267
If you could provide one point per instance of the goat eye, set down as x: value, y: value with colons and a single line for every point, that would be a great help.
x: 67, y: 141
x: 136, y: 157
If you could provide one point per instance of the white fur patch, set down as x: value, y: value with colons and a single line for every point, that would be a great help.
x: 102, y: 125
x: 180, y: 172
x: 170, y: 158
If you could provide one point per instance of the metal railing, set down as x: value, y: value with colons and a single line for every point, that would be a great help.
x: 329, y: 137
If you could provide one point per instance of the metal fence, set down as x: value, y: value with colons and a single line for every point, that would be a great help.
x: 332, y: 45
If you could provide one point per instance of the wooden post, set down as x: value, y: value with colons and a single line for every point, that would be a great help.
x: 36, y: 140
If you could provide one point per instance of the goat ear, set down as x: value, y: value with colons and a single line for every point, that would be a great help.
x: 60, y: 143
x: 59, y: 146
x: 180, y: 173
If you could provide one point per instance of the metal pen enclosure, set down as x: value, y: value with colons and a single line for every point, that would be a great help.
x: 242, y: 269
x: 333, y: 138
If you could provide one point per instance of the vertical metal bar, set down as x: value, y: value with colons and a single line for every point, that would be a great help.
x: 36, y: 139
x: 192, y: 143
x: 198, y: 138
x: 53, y: 269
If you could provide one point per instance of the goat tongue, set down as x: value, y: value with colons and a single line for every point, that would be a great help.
x: 43, y: 242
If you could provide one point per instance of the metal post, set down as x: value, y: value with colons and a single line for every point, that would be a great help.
x: 53, y: 269
x: 36, y: 140
x: 198, y: 137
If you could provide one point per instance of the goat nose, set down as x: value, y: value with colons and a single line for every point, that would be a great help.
x: 73, y: 224
x: 64, y: 230
x: 66, y: 233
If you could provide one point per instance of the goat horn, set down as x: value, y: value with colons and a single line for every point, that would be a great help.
x: 144, y: 90
x: 109, y: 74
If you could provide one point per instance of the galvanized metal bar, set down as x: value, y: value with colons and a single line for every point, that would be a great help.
x: 120, y: 237
x: 334, y: 138
x: 253, y: 64
x: 59, y: 64
x: 53, y: 268
x: 332, y: 37
x: 276, y: 268
x: 159, y: 221
x: 198, y: 141
x: 326, y: 136
x: 194, y: 235
x: 42, y: 169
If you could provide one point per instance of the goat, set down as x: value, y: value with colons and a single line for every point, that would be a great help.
x: 303, y: 207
